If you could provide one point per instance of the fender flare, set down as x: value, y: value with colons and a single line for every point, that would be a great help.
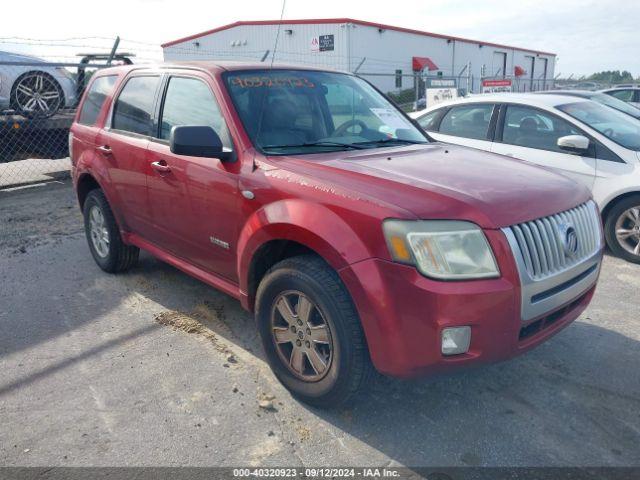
x: 310, y: 224
x: 84, y: 171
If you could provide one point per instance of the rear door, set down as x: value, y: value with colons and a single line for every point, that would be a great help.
x: 84, y: 130
x: 194, y: 201
x: 466, y: 124
x: 123, y: 145
x: 531, y: 134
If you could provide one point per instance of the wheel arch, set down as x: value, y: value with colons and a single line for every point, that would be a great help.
x: 288, y: 228
x: 86, y: 183
x: 604, y: 212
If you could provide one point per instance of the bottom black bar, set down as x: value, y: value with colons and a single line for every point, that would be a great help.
x: 427, y: 473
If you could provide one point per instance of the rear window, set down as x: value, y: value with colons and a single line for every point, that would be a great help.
x: 134, y: 107
x: 100, y: 89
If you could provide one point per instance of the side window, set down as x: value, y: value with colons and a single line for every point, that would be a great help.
x: 532, y: 128
x: 624, y: 95
x: 134, y: 106
x: 430, y: 120
x: 189, y: 101
x: 96, y: 95
x: 468, y: 121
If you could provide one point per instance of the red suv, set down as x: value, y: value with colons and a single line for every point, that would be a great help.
x: 355, y: 240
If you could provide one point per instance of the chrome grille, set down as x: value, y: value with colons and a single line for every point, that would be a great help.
x: 542, y: 242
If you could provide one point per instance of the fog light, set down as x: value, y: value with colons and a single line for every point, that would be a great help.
x: 456, y: 340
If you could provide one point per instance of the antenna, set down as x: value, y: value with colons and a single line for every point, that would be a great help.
x: 275, y: 46
x: 264, y: 96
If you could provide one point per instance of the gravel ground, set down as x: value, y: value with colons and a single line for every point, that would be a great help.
x: 154, y: 368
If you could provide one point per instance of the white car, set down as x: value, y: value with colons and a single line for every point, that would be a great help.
x: 587, y: 141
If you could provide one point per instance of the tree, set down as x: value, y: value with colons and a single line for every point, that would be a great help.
x: 612, y: 76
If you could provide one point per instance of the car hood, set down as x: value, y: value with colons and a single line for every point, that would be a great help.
x: 439, y: 181
x: 19, y: 57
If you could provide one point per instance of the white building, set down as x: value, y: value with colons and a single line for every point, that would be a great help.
x: 388, y: 56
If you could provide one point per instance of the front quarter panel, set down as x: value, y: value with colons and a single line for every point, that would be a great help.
x: 341, y: 226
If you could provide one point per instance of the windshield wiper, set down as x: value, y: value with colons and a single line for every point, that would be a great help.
x: 317, y: 144
x: 390, y: 140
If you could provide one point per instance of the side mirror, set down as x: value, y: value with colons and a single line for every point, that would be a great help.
x: 574, y: 143
x: 198, y: 141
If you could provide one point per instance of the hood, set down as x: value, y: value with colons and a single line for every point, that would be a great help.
x: 19, y: 57
x: 438, y: 181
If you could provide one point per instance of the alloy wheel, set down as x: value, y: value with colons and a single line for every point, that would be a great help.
x: 38, y: 94
x: 99, y: 232
x: 301, y: 335
x: 628, y: 230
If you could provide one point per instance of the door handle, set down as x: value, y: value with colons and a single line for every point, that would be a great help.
x: 161, y: 166
x: 106, y: 149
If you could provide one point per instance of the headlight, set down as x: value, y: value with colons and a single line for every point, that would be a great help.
x: 442, y: 249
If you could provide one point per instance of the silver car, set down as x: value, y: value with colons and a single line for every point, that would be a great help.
x: 626, y: 93
x: 37, y: 90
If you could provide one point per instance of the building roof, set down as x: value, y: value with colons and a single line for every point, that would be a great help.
x: 346, y: 20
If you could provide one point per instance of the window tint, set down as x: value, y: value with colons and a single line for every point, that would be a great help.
x: 134, y: 107
x: 98, y: 92
x: 469, y: 121
x: 429, y: 121
x: 190, y: 102
x: 529, y: 127
x: 624, y: 95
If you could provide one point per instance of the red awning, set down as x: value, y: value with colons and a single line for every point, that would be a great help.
x: 519, y: 71
x: 420, y: 63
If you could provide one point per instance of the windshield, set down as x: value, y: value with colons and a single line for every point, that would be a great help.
x: 306, y: 111
x: 616, y: 126
x: 619, y: 105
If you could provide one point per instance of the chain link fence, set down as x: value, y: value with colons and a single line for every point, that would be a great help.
x: 41, y: 83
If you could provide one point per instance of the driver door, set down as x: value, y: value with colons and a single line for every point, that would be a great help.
x: 194, y: 201
x: 531, y: 134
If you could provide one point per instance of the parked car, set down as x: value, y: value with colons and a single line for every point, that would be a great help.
x: 598, y: 97
x: 584, y: 140
x: 629, y: 94
x: 309, y: 197
x: 37, y: 90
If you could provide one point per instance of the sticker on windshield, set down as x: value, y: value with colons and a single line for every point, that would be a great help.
x: 390, y: 117
x: 258, y: 82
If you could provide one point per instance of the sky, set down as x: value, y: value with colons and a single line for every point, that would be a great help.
x: 586, y: 35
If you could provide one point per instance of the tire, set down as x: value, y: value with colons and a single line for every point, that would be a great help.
x: 43, y: 84
x: 622, y: 216
x: 112, y: 255
x: 348, y: 365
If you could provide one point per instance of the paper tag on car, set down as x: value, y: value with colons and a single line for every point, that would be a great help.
x: 389, y: 117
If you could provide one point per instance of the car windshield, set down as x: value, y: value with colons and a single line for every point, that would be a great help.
x: 619, y: 105
x: 304, y: 111
x: 616, y: 126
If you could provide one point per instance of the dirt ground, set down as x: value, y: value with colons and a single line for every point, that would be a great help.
x: 155, y: 368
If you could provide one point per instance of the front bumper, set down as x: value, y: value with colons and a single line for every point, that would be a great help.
x: 403, y: 313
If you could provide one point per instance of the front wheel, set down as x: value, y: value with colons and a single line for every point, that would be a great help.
x: 37, y: 95
x: 622, y: 229
x: 311, y: 332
